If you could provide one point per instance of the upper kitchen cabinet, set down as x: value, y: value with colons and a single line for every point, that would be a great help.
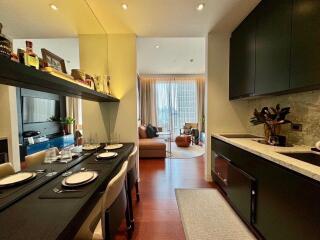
x: 305, y: 60
x: 273, y: 34
x: 242, y: 59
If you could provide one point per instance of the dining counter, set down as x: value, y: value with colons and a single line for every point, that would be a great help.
x: 36, y: 212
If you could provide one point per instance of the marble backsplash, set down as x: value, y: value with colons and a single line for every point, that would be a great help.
x: 305, y: 109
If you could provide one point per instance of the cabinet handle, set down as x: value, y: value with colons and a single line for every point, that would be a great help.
x: 253, y: 192
x: 225, y: 180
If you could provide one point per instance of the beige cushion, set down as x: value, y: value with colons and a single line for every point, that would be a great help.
x: 142, y: 132
x: 132, y: 159
x: 98, y: 235
x: 37, y: 158
x: 6, y: 169
x: 113, y: 190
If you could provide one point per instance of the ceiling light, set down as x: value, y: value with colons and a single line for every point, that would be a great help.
x: 200, y: 7
x: 53, y: 7
x: 124, y: 6
x: 157, y: 46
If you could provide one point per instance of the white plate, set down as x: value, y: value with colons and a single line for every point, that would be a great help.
x: 16, y: 178
x: 90, y: 147
x: 114, y: 146
x: 78, y: 178
x: 95, y: 175
x: 107, y: 155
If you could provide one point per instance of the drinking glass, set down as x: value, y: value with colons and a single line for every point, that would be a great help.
x: 50, y: 157
x: 66, y: 156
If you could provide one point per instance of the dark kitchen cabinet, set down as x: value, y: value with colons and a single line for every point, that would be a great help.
x: 242, y: 59
x: 305, y: 60
x: 241, y: 192
x: 286, y: 204
x: 273, y: 34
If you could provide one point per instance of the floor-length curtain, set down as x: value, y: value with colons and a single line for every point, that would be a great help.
x: 170, y: 101
x: 148, y: 99
x: 74, y: 110
x: 201, y: 85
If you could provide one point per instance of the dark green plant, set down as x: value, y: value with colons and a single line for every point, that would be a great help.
x: 68, y: 121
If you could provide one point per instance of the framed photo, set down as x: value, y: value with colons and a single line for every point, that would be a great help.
x: 53, y: 60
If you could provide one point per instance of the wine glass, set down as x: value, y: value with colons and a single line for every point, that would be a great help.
x: 50, y: 157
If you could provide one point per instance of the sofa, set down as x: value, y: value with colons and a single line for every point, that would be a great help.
x: 150, y: 147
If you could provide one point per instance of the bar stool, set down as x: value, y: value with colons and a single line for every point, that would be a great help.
x: 37, y: 158
x: 105, y: 219
x: 6, y: 169
x: 132, y: 180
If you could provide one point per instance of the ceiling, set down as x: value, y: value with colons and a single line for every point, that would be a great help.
x: 171, y: 18
x: 173, y: 55
x: 162, y: 18
x: 35, y: 19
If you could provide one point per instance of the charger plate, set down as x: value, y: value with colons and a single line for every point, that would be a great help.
x: 107, y: 155
x: 114, y: 146
x: 79, y: 179
x: 17, y: 178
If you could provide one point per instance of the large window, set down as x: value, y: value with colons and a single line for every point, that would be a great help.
x: 176, y: 104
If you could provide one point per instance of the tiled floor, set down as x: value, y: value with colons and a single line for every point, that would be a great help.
x: 157, y: 215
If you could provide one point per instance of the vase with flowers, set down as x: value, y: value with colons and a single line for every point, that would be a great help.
x: 272, y: 118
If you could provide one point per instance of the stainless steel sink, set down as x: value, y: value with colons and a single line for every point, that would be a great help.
x: 309, y: 157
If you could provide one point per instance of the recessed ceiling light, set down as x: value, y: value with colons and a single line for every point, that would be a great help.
x: 157, y: 46
x: 124, y: 6
x: 200, y: 6
x: 53, y: 7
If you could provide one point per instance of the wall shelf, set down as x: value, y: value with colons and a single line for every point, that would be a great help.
x: 19, y: 75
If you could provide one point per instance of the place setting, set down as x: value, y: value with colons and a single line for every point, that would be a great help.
x: 13, y: 182
x: 75, y: 185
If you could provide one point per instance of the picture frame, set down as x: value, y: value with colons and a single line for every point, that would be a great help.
x: 54, y: 61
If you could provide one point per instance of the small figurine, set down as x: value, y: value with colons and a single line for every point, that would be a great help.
x: 5, y: 45
x: 30, y: 58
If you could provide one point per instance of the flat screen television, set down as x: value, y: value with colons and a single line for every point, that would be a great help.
x: 39, y: 110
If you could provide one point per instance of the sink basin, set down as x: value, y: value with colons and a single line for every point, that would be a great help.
x: 309, y: 157
x: 239, y: 136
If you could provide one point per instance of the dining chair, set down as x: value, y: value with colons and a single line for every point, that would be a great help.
x: 6, y: 169
x: 106, y: 217
x: 37, y: 158
x: 132, y: 180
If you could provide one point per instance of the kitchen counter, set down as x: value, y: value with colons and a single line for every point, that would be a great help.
x: 272, y: 153
x: 3, y: 138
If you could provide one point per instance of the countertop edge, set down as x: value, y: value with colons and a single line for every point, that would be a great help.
x: 272, y: 155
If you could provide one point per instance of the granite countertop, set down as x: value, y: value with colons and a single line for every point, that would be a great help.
x: 3, y: 138
x: 272, y: 153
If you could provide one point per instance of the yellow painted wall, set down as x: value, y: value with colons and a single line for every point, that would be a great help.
x: 223, y: 116
x: 93, y: 59
x: 9, y: 123
x: 123, y: 72
x: 120, y: 118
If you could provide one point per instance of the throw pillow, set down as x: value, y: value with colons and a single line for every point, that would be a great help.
x: 143, y: 132
x: 150, y: 131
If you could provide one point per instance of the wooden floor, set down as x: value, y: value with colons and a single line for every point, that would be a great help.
x: 157, y: 215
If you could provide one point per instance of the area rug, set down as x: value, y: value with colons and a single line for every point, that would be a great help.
x: 188, y: 152
x: 206, y: 215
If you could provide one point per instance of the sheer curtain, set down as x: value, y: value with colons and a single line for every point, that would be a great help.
x: 74, y: 110
x: 171, y: 101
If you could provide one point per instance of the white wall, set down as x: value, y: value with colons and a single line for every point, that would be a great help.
x: 222, y: 115
x: 66, y: 48
x: 172, y: 57
x: 9, y: 123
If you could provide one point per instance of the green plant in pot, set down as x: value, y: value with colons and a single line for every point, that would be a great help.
x: 272, y: 118
x: 68, y: 125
